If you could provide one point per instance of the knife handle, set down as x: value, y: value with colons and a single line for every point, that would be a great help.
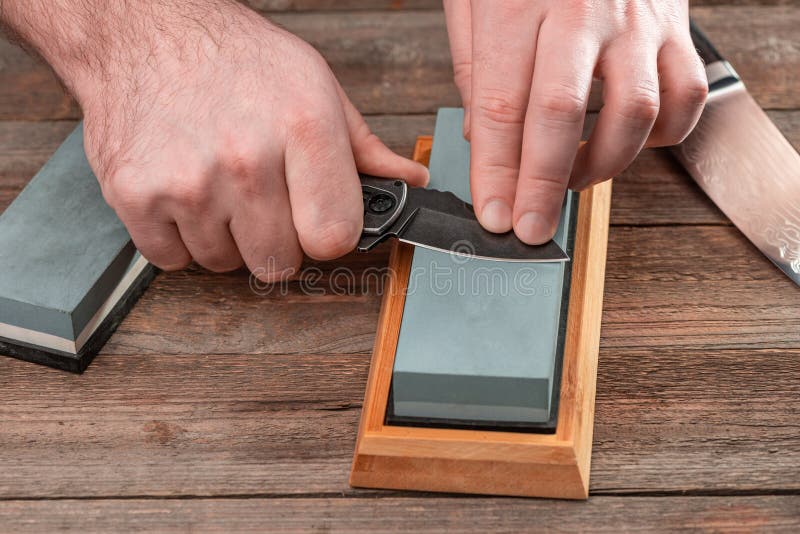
x: 707, y: 51
x: 384, y: 201
x: 719, y: 72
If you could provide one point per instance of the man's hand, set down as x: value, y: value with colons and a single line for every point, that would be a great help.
x: 215, y: 135
x: 524, y: 69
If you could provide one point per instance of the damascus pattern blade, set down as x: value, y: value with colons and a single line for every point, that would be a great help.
x: 750, y: 170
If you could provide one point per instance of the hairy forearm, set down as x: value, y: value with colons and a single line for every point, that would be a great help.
x: 90, y: 43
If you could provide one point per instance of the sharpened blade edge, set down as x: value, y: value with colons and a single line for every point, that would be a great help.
x: 553, y: 259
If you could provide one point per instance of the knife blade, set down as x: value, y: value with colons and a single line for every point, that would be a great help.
x: 441, y: 221
x: 744, y: 163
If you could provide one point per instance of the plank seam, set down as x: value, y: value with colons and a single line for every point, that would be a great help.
x: 779, y: 492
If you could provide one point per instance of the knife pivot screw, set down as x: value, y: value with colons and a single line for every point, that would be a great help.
x: 381, y: 203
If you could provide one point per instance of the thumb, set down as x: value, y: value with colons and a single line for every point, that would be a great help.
x: 372, y: 156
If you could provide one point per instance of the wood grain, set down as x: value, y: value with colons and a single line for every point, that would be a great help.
x: 399, y: 61
x: 697, y: 387
x: 405, y: 514
x: 723, y: 420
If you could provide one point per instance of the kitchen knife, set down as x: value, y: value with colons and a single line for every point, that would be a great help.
x: 441, y: 221
x: 743, y: 162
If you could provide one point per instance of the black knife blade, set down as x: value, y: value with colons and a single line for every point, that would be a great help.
x: 441, y: 221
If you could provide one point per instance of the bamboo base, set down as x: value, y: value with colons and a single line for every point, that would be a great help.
x: 491, y: 462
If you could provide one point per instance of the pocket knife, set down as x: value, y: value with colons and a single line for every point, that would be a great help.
x: 441, y: 221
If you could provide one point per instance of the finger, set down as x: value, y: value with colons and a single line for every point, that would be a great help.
x: 325, y: 192
x: 553, y: 124
x: 372, y: 156
x: 459, y: 31
x: 160, y: 243
x: 191, y: 202
x: 210, y: 243
x: 154, y: 233
x: 502, y: 67
x: 630, y: 108
x: 684, y: 88
x: 263, y: 231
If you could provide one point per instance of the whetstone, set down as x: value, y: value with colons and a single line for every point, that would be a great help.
x: 70, y: 271
x: 481, y: 341
x: 490, y: 460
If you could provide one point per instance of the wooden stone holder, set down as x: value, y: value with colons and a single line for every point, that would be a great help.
x: 483, y: 461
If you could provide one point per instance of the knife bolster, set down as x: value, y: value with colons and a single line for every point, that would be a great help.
x: 721, y: 74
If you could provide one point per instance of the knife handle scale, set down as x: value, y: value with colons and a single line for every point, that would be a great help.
x: 707, y: 51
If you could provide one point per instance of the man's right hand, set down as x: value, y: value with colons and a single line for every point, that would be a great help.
x: 221, y: 138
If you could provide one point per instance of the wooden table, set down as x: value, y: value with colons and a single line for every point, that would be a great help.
x: 218, y: 408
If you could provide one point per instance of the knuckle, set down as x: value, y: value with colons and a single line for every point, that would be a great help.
x: 242, y: 160
x: 332, y: 240
x: 496, y: 171
x: 549, y: 182
x: 501, y: 107
x: 694, y: 91
x: 189, y: 190
x: 307, y: 124
x: 560, y: 104
x: 127, y: 193
x: 311, y: 133
x: 640, y: 105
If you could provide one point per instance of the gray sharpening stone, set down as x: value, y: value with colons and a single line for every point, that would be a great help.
x: 481, y: 342
x: 69, y: 271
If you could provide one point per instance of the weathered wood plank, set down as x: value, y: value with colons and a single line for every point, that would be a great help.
x: 721, y: 420
x: 708, y: 421
x: 24, y: 148
x: 399, y: 61
x: 695, y: 287
x: 29, y: 90
x: 132, y: 426
x: 400, y: 514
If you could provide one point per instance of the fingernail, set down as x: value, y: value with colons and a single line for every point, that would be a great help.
x: 496, y: 216
x: 534, y: 229
x: 427, y: 175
